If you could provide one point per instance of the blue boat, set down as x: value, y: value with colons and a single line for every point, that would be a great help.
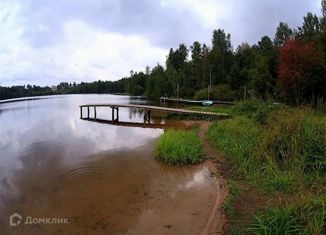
x: 207, y: 103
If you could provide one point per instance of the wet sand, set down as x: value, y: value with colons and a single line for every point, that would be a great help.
x: 124, y: 192
x: 217, y: 222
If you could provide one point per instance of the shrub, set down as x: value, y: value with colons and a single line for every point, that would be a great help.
x: 179, y: 147
x: 220, y: 92
x: 138, y: 90
x: 251, y: 107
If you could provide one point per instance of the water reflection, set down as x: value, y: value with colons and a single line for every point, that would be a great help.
x: 155, y: 123
x: 56, y: 120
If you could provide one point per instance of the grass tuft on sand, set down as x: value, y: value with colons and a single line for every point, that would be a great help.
x: 179, y: 148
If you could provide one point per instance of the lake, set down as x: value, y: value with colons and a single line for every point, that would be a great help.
x: 97, y: 178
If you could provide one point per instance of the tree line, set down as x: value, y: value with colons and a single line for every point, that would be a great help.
x: 102, y: 87
x: 290, y: 67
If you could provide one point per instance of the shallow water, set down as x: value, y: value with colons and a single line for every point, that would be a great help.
x: 102, y: 178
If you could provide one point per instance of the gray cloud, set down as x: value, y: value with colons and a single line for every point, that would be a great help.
x: 49, y: 41
x: 162, y: 25
x: 253, y: 19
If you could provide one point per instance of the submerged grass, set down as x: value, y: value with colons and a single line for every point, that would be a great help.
x: 179, y: 148
x: 281, y: 150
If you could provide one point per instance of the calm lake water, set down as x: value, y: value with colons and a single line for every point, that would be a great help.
x: 103, y: 178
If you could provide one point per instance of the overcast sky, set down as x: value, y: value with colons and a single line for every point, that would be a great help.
x: 44, y: 42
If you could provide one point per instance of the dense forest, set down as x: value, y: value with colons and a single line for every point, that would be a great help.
x: 290, y: 68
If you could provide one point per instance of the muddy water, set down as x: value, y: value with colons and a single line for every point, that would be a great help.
x: 102, y: 178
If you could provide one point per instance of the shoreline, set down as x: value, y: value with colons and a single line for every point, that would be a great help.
x: 217, y: 221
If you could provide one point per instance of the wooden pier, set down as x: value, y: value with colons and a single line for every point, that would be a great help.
x: 147, y: 111
x: 194, y: 102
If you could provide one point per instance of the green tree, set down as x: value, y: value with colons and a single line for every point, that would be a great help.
x: 196, y: 66
x: 265, y: 44
x: 158, y: 84
x: 152, y: 91
x: 243, y: 60
x: 206, y: 66
x: 221, y: 55
x: 311, y: 28
x: 196, y: 53
x: 283, y: 34
x: 261, y: 80
x: 262, y: 73
x: 177, y: 59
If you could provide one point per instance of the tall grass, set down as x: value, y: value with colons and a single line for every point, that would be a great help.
x: 297, y: 140
x: 308, y: 217
x: 282, y: 146
x: 228, y: 203
x: 179, y: 148
x: 278, y: 148
x: 237, y: 138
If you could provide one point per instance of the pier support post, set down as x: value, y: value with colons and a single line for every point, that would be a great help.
x: 95, y: 112
x: 147, y: 117
x: 81, y: 112
x: 112, y: 110
x: 117, y: 114
x: 88, y: 112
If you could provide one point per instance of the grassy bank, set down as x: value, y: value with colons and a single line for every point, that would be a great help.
x: 179, y: 148
x: 281, y: 153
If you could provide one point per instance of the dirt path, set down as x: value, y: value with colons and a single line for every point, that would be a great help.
x: 217, y: 221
